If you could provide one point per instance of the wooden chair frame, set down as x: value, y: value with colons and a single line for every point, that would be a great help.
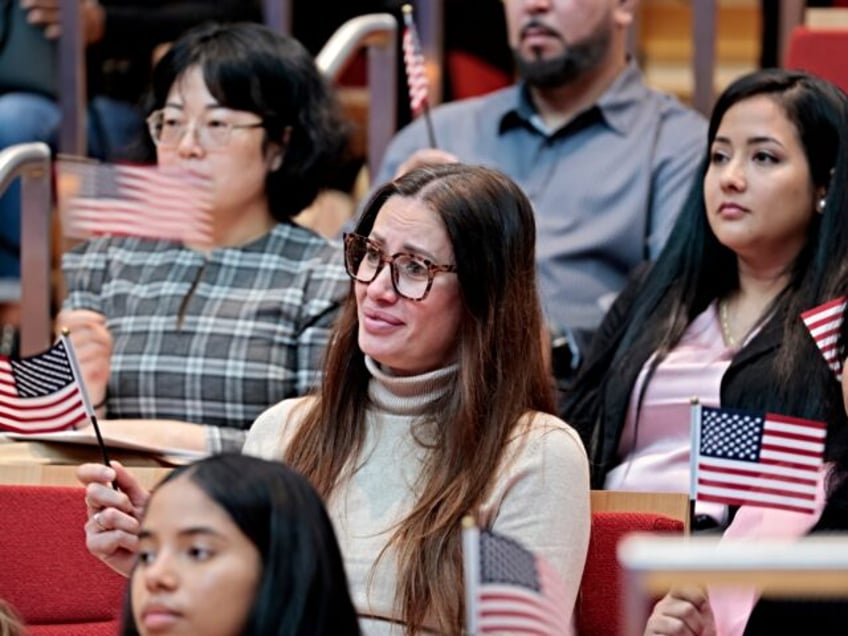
x: 810, y: 566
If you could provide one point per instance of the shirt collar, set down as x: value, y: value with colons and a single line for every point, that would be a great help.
x: 614, y: 106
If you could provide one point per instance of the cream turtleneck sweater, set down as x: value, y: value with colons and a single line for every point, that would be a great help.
x: 540, y: 495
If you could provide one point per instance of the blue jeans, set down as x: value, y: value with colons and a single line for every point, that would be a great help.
x: 113, y: 127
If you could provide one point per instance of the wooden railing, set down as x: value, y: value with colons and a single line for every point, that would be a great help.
x: 811, y: 566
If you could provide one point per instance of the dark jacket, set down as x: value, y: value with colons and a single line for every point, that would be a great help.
x: 598, y: 402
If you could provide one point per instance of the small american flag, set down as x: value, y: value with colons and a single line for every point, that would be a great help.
x: 510, y: 590
x: 416, y: 75
x: 40, y: 394
x: 824, y: 323
x: 143, y: 201
x: 769, y: 460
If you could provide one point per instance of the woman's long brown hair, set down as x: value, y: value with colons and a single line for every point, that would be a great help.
x: 501, y: 376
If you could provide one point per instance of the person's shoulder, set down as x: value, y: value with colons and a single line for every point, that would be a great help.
x: 546, y: 451
x: 305, y: 242
x: 471, y: 109
x: 632, y: 87
x: 275, y: 426
x: 123, y: 243
x: 304, y: 249
x: 97, y: 251
x: 455, y: 124
x: 501, y: 99
x: 672, y: 112
x: 681, y: 131
x: 544, y: 433
x: 286, y: 409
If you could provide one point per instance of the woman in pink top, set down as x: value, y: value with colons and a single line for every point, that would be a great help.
x: 761, y: 238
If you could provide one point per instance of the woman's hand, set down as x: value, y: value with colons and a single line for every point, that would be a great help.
x: 684, y: 611
x: 92, y: 344
x: 114, y: 516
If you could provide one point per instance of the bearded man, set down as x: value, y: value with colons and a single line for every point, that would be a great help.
x: 606, y: 160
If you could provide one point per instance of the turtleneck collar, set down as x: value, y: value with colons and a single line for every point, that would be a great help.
x: 410, y: 394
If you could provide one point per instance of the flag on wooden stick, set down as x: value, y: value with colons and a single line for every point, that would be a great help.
x: 40, y: 393
x: 143, y: 201
x: 416, y: 73
x: 757, y: 459
x: 508, y: 589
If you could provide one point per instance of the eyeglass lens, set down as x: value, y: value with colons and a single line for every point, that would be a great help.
x: 364, y: 260
x: 169, y: 130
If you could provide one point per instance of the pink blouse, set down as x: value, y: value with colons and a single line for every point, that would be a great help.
x: 656, y: 451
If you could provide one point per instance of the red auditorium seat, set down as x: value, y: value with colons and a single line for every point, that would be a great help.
x: 822, y: 52
x: 601, y: 587
x: 47, y: 574
x: 471, y: 76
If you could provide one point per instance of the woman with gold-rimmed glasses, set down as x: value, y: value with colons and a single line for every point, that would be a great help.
x: 182, y: 348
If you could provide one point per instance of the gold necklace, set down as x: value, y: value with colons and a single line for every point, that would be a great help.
x: 729, y: 340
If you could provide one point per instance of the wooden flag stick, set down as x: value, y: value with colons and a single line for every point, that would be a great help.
x: 89, y: 409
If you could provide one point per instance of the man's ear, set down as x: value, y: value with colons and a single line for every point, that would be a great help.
x: 625, y: 13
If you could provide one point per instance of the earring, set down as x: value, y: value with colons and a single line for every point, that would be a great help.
x: 822, y: 202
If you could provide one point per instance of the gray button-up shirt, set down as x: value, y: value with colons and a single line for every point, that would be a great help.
x: 606, y: 187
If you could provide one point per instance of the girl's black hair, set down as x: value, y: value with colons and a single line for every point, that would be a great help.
x: 303, y: 588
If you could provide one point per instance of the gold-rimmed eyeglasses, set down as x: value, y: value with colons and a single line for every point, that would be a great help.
x: 168, y: 130
x: 412, y: 275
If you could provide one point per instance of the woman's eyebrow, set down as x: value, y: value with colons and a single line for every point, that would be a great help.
x: 406, y: 247
x: 751, y: 141
x: 190, y: 531
x: 417, y: 249
x: 207, y: 106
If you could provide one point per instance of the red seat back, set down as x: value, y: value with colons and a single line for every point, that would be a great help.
x: 471, y: 75
x: 822, y: 52
x: 46, y: 573
x: 600, y: 589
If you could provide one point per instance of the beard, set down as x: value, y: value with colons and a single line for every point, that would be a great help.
x: 571, y: 64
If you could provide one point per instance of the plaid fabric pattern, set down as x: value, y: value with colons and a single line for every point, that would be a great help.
x: 213, y: 339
